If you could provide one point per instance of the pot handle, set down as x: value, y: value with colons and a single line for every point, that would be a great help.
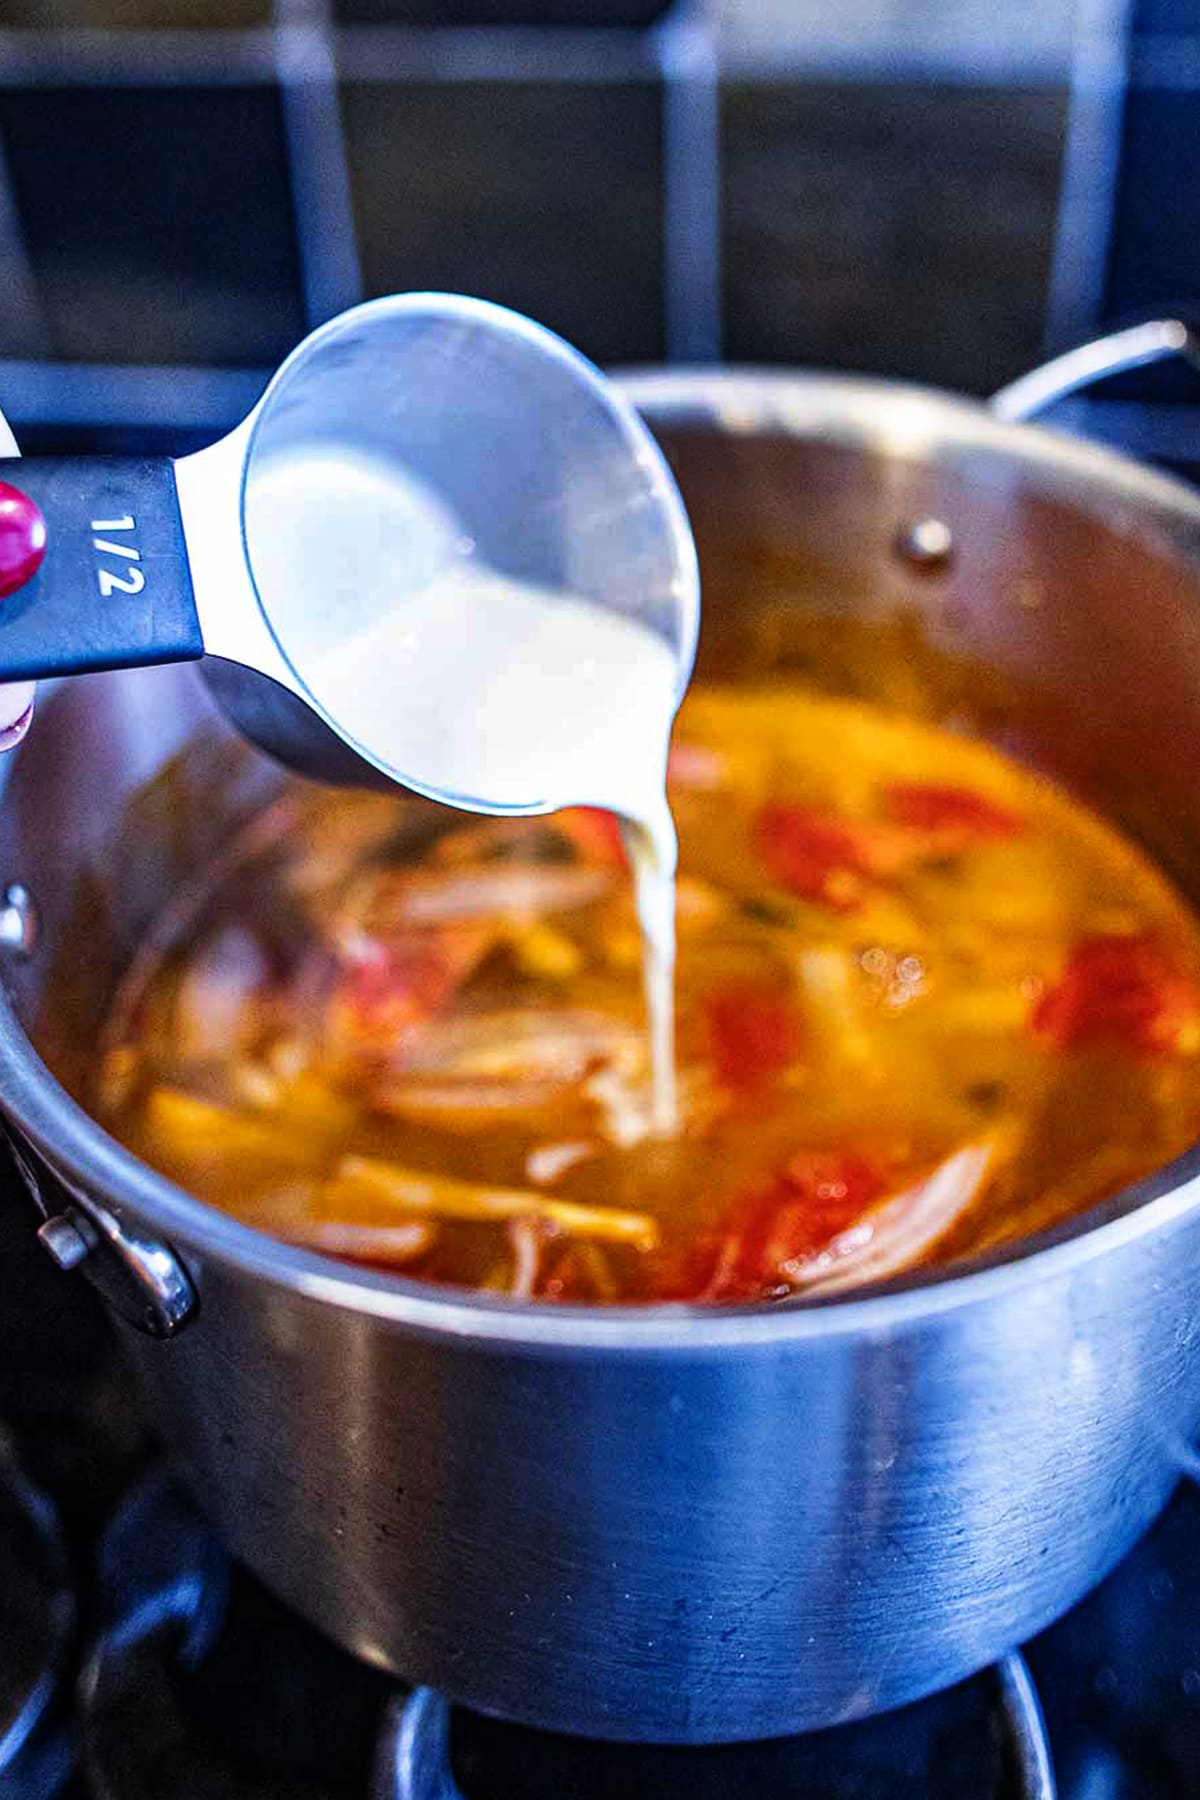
x: 140, y: 1278
x: 1135, y: 348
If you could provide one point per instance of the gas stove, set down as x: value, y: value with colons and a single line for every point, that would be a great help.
x: 138, y: 1663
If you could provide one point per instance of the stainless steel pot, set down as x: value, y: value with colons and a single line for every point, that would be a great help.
x: 680, y: 1525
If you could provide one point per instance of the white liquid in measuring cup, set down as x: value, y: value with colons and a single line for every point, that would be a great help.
x: 462, y: 680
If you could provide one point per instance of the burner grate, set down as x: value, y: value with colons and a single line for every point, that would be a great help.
x: 37, y: 1623
x: 1009, y: 1738
x: 199, y: 1686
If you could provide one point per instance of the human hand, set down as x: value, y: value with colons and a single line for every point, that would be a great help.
x: 16, y: 710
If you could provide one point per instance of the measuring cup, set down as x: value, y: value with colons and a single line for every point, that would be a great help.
x: 413, y: 446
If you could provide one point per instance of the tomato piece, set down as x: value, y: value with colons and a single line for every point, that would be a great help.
x: 953, y: 812
x: 1124, y: 990
x: 814, y: 1199
x: 386, y: 986
x: 596, y: 834
x: 755, y: 1032
x: 822, y: 857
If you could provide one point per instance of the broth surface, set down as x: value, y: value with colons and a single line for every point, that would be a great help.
x: 925, y: 1003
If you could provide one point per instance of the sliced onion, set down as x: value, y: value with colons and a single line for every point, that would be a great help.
x: 522, y: 892
x: 397, y: 1244
x: 545, y: 1164
x: 465, y: 1073
x: 468, y: 1106
x: 523, y: 1046
x: 526, y: 1238
x: 898, y: 1232
x: 214, y: 1009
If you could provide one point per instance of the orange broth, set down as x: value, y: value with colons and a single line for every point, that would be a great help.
x: 926, y: 1003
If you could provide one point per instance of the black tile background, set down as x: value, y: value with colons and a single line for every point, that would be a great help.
x: 141, y: 15
x: 906, y: 231
x: 544, y: 196
x: 890, y: 221
x: 1166, y: 15
x: 501, y: 12
x: 158, y: 221
x: 1154, y: 259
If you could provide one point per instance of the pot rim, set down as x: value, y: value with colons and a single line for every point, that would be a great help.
x: 841, y: 409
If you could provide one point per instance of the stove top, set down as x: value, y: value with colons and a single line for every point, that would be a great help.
x: 138, y: 1663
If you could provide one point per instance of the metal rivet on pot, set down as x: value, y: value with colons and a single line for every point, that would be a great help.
x: 63, y: 1242
x: 925, y: 543
x: 18, y: 920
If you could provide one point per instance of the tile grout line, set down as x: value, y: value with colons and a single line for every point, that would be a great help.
x: 317, y: 162
x: 691, y: 178
x: 1090, y: 170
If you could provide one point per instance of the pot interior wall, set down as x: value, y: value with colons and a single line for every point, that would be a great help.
x: 1065, y: 628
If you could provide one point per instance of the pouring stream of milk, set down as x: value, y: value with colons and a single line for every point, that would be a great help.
x: 495, y: 692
